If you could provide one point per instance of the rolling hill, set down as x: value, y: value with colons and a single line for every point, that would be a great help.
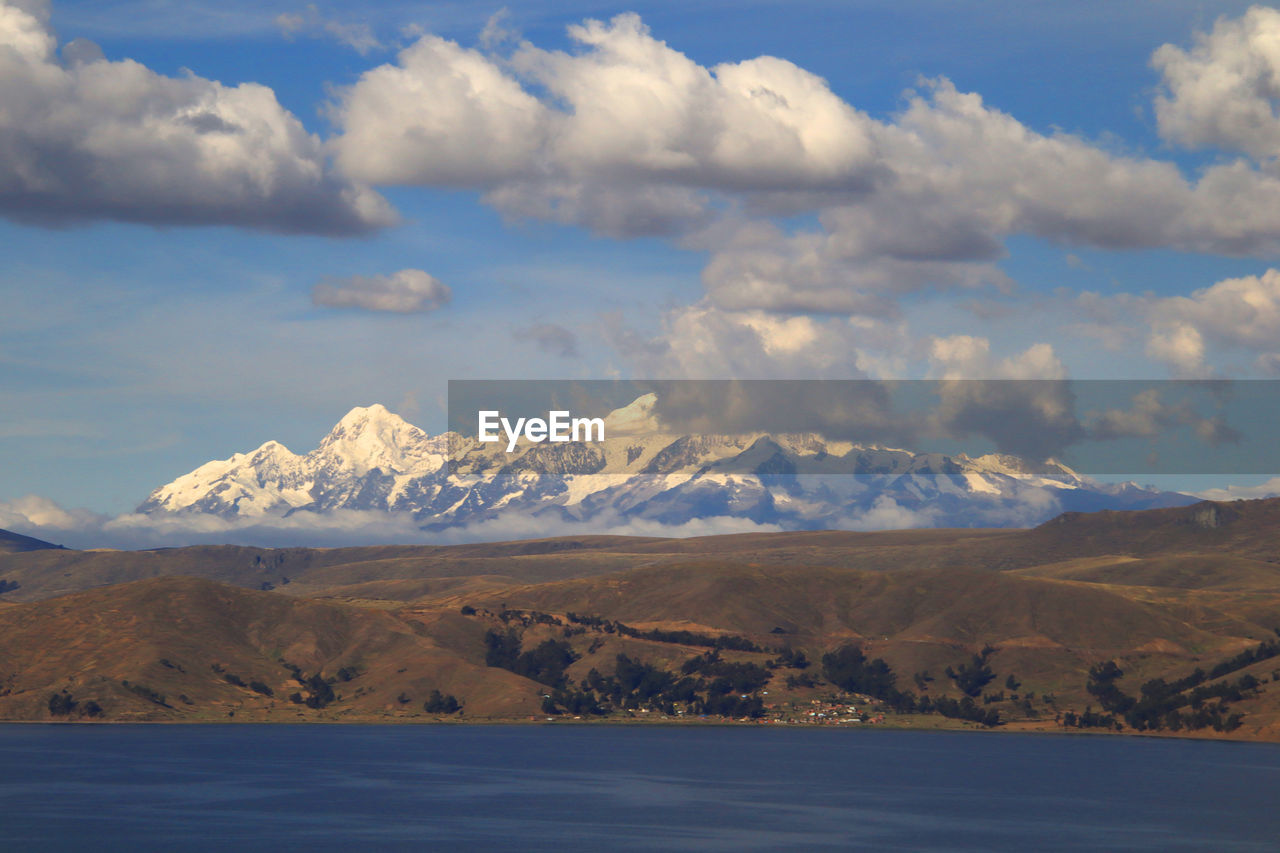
x: 537, y: 628
x: 14, y: 543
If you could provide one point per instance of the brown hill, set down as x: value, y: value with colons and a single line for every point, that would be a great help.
x: 1244, y: 530
x: 1161, y: 592
x: 175, y: 648
x: 14, y: 543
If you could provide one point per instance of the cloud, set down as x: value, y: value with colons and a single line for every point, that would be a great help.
x: 551, y: 338
x: 405, y: 292
x: 33, y: 510
x: 703, y: 341
x: 886, y: 514
x: 969, y: 357
x: 85, y: 139
x: 1269, y: 489
x: 1180, y: 346
x: 38, y: 516
x: 1026, y: 411
x: 522, y: 526
x: 1223, y: 93
x: 1150, y: 417
x: 444, y: 115
x: 625, y: 132
x: 356, y: 35
x: 1236, y: 314
x: 627, y: 136
x: 44, y: 519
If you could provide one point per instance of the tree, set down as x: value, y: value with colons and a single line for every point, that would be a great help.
x: 61, y: 704
x: 441, y: 703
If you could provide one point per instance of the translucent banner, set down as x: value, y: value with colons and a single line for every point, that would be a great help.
x: 864, y: 427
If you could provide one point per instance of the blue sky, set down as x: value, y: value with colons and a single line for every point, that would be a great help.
x: 1065, y: 194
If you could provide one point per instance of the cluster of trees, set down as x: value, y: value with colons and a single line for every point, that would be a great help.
x: 729, y: 642
x: 728, y: 677
x: 707, y: 686
x: 577, y: 702
x: 545, y: 663
x: 1091, y: 719
x: 964, y: 709
x: 319, y: 689
x: 971, y: 677
x: 147, y: 693
x: 789, y: 658
x: 63, y: 704
x: 525, y: 618
x: 442, y: 703
x: 849, y: 669
x: 1265, y: 650
x: 804, y: 679
x: 1159, y: 703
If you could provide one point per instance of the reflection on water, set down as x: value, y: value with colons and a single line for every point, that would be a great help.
x: 247, y: 787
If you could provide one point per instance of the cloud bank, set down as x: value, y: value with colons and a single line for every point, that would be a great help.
x: 627, y: 136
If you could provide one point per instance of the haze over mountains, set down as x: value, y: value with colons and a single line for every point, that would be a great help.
x: 374, y: 461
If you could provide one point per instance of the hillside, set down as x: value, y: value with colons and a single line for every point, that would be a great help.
x: 1248, y: 530
x: 14, y: 543
x: 170, y: 648
x: 972, y: 626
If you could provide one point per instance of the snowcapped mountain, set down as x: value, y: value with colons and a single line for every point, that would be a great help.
x: 373, y: 460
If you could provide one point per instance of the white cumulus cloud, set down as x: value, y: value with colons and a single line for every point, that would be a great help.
x: 625, y: 135
x: 83, y: 138
x: 1224, y: 91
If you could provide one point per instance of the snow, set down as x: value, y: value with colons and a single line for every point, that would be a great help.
x: 635, y: 418
x: 373, y: 459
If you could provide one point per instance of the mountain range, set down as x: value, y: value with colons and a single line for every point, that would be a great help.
x: 374, y: 460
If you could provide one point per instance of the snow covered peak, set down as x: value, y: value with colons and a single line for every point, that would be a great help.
x: 374, y: 437
x: 272, y: 450
x: 361, y: 418
x: 634, y: 418
x: 1050, y: 471
x: 373, y: 459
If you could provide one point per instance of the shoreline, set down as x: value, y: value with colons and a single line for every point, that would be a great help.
x: 1057, y: 731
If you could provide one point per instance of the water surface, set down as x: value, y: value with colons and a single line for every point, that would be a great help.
x: 330, y: 788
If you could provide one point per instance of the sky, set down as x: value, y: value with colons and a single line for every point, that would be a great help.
x: 223, y: 223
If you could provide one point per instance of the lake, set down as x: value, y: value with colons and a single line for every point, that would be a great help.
x: 556, y: 787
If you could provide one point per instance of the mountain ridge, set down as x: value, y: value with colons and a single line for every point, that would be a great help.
x: 374, y: 460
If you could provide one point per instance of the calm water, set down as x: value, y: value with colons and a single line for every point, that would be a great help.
x: 321, y: 788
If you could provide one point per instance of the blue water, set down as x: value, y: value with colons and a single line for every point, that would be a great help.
x: 323, y: 788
